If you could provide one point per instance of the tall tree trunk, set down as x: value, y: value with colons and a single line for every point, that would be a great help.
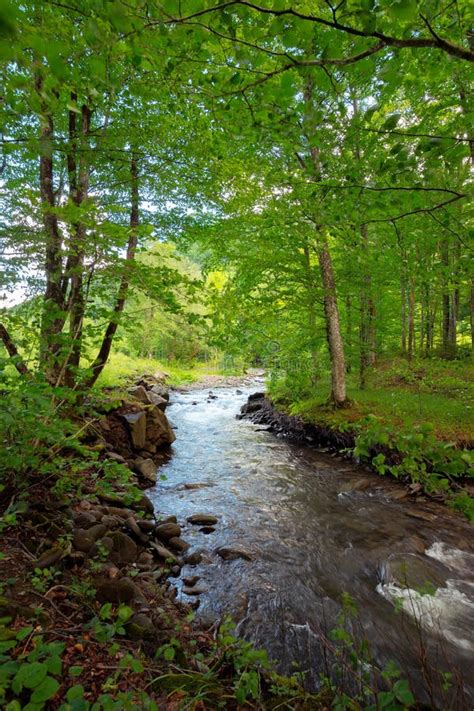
x: 78, y: 170
x: 311, y: 291
x: 403, y: 293
x: 331, y: 312
x: 472, y: 314
x: 53, y: 313
x: 349, y: 329
x: 448, y: 331
x: 104, y: 351
x: 411, y: 320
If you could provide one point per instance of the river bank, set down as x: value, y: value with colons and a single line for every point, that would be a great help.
x: 88, y: 571
x: 126, y: 593
x: 425, y: 467
x: 307, y: 529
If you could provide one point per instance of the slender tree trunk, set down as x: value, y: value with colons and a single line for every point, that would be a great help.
x: 104, y: 351
x: 349, y: 330
x: 53, y: 315
x: 78, y: 171
x: 331, y: 312
x: 403, y: 294
x: 411, y: 320
x: 472, y: 314
x: 311, y: 289
x: 448, y: 332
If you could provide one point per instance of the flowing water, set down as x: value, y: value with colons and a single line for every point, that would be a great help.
x: 315, y: 527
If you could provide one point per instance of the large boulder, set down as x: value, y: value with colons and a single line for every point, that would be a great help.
x: 147, y: 469
x: 140, y: 627
x: 160, y: 390
x: 157, y: 400
x: 140, y: 393
x: 121, y: 590
x: 124, y: 549
x: 83, y: 539
x: 137, y: 424
x: 165, y: 531
x: 158, y: 429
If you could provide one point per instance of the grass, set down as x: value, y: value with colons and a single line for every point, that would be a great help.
x: 398, y: 393
x: 121, y: 368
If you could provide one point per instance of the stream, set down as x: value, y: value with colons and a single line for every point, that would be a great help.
x: 315, y: 526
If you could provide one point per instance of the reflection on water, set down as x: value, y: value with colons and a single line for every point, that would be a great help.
x: 315, y: 526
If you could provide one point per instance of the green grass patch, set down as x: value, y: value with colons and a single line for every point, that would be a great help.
x: 398, y: 393
x: 121, y: 369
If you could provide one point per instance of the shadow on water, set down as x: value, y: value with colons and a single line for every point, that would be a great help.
x: 315, y: 526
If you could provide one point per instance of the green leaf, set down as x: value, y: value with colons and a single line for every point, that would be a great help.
x: 46, y: 690
x: 31, y: 675
x: 391, y: 122
x: 402, y: 691
x: 124, y: 613
x: 404, y: 10
x: 75, y: 692
x: 75, y: 670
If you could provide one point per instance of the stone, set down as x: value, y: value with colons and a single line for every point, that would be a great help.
x: 190, y: 582
x: 147, y: 469
x: 398, y: 494
x: 207, y: 529
x: 146, y: 526
x: 168, y: 519
x: 193, y: 558
x: 50, y: 557
x: 132, y: 526
x: 232, y: 553
x: 194, y: 590
x: 143, y: 504
x: 124, y: 549
x: 422, y: 515
x: 137, y: 424
x: 164, y: 553
x: 140, y: 626
x: 121, y: 590
x: 115, y: 511
x: 165, y: 531
x: 178, y: 544
x: 197, y: 485
x: 116, y: 457
x: 140, y: 393
x: 158, y: 429
x: 110, y: 521
x: 84, y: 519
x: 161, y: 390
x: 416, y: 571
x: 202, y: 519
x: 83, y: 539
x: 145, y: 561
x: 157, y: 400
x: 111, y: 570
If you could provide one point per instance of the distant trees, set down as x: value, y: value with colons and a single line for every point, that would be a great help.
x: 321, y: 156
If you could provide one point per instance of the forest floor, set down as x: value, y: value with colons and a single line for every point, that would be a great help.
x: 399, y: 393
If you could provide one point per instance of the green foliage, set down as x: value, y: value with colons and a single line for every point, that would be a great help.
x: 417, y: 456
x: 31, y: 675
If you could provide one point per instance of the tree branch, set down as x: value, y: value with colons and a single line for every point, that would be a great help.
x: 435, y: 41
x: 13, y: 351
